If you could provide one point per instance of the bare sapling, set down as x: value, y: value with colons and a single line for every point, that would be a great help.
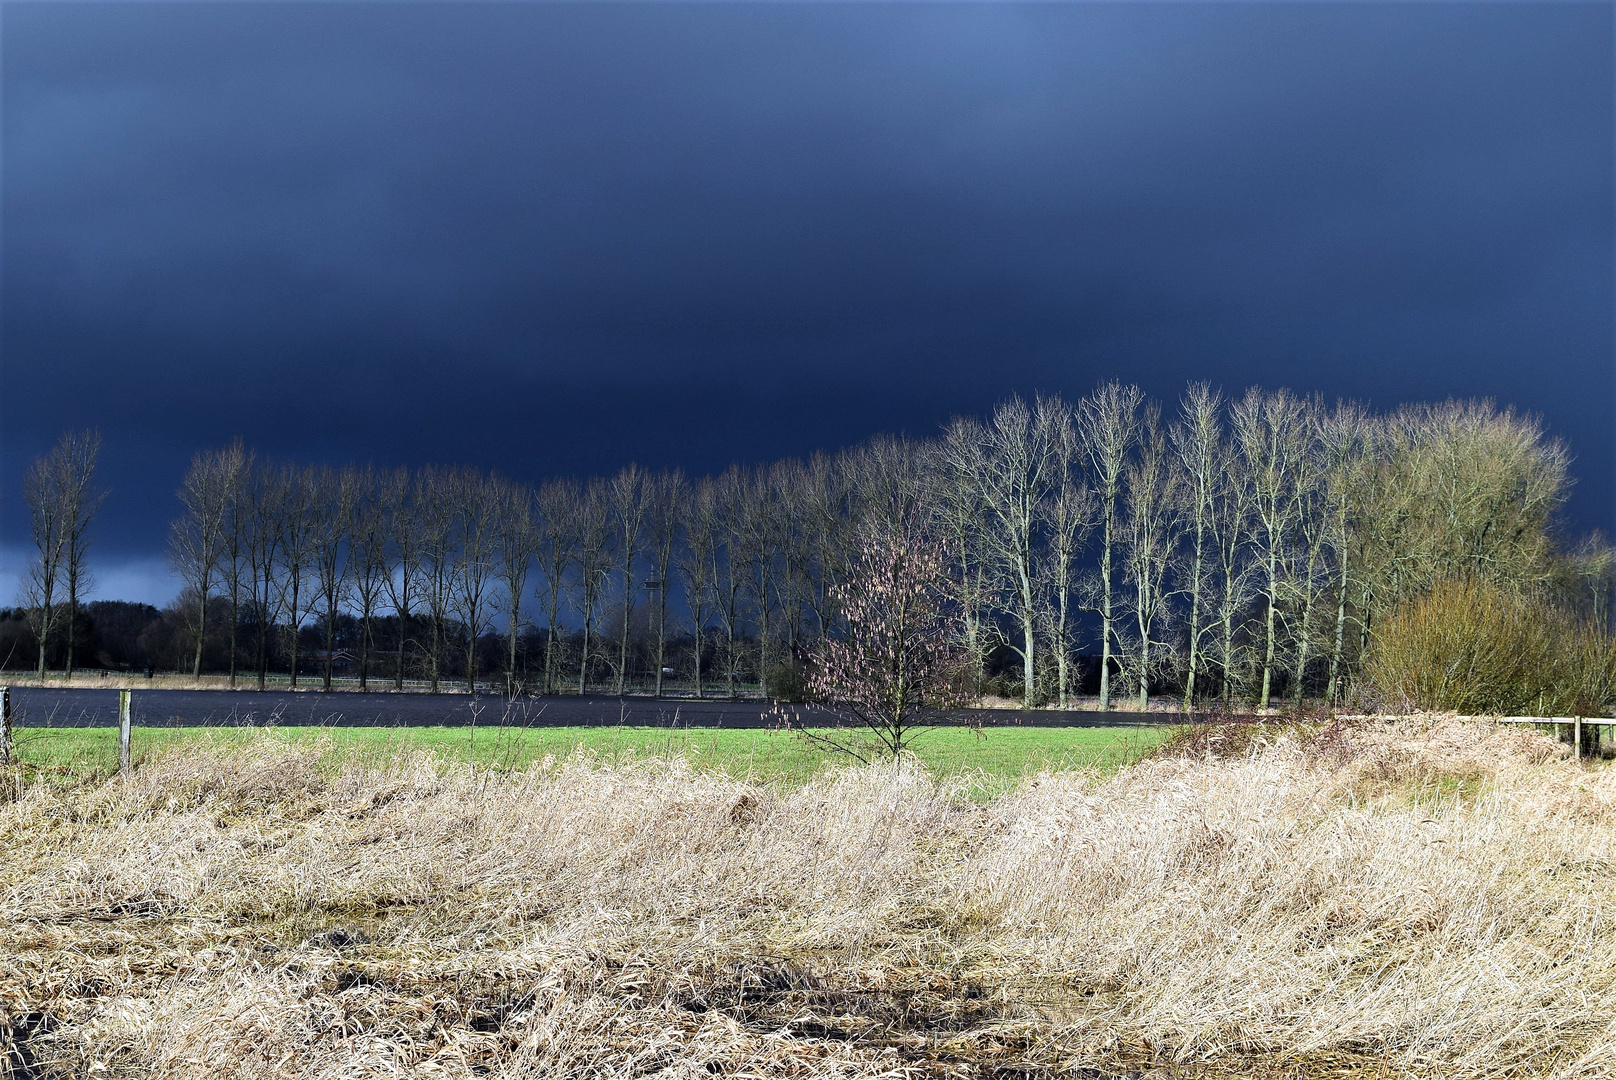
x: 895, y: 667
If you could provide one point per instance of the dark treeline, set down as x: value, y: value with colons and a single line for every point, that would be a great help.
x: 1225, y: 549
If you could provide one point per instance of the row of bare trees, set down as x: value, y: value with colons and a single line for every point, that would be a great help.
x: 1240, y: 544
x: 1224, y: 548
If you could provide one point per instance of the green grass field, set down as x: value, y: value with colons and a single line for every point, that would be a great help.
x: 998, y: 756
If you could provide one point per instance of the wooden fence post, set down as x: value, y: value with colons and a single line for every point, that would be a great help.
x: 6, y: 750
x: 126, y: 721
x: 1576, y: 737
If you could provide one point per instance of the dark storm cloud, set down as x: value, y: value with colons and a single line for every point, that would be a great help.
x: 558, y: 237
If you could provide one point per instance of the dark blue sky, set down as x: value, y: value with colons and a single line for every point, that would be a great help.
x: 557, y: 237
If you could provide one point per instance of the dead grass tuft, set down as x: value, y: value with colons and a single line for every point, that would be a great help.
x: 1422, y: 898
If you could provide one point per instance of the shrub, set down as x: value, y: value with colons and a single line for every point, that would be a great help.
x: 1475, y: 648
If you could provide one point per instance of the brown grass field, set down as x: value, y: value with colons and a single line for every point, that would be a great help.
x: 1426, y: 898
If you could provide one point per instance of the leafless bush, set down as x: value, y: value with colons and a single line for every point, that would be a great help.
x: 1474, y: 647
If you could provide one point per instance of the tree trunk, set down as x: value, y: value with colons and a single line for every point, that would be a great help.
x: 1228, y: 659
x: 235, y: 622
x: 1029, y: 642
x: 330, y: 644
x: 1105, y: 616
x: 700, y: 641
x: 622, y: 645
x: 510, y: 661
x: 201, y: 630
x: 549, y: 657
x: 1061, y: 648
x: 1144, y: 620
x: 403, y: 624
x: 583, y: 663
x: 1340, y: 640
x: 296, y: 596
x: 1268, y: 647
x: 72, y: 619
x: 1195, y: 613
x: 661, y: 633
x: 364, y: 652
x: 1301, y: 646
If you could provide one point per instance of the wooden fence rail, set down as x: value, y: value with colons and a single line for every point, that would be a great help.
x: 1575, y: 722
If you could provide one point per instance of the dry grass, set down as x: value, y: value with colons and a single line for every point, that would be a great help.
x: 1421, y: 898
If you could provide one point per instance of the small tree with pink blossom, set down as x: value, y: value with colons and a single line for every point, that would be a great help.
x: 895, y: 665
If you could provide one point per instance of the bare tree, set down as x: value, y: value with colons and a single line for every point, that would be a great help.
x: 1012, y: 460
x: 1480, y: 490
x: 1108, y: 420
x: 593, y: 556
x: 300, y: 526
x: 238, y: 467
x: 1235, y: 570
x: 264, y: 501
x: 47, y: 516
x: 435, y: 508
x: 728, y: 572
x: 630, y: 503
x: 754, y: 545
x: 1344, y: 438
x: 961, y: 519
x: 824, y: 524
x: 405, y: 541
x: 84, y: 498
x: 476, y: 510
x: 1068, y: 518
x: 669, y: 495
x: 518, y: 545
x: 1150, y: 539
x: 1271, y: 436
x: 369, y: 561
x: 558, y: 541
x: 697, y: 562
x: 1310, y: 576
x: 1198, y: 444
x: 197, y: 538
x: 333, y: 497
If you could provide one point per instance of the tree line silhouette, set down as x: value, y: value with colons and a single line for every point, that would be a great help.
x: 1228, y: 549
